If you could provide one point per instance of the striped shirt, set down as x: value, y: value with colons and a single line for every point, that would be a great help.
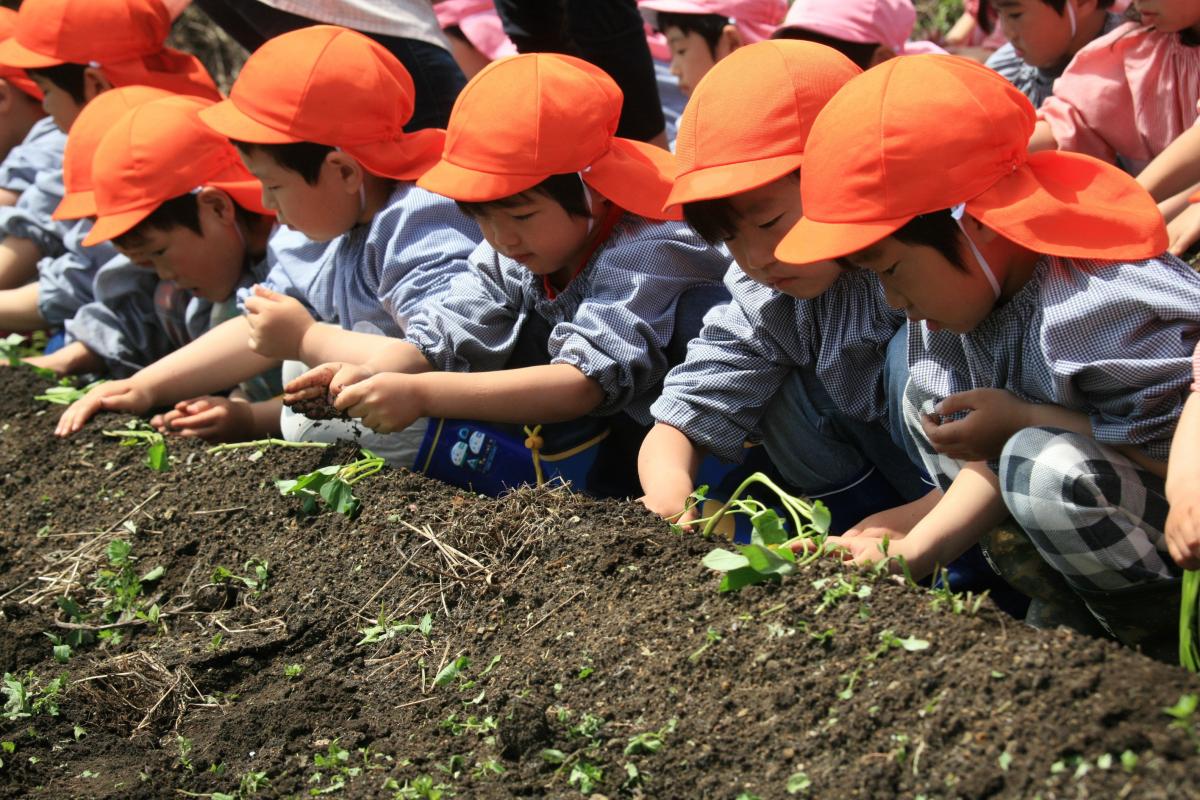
x: 40, y: 151
x: 1036, y: 83
x: 374, y: 278
x: 746, y: 349
x: 613, y: 322
x: 1111, y: 339
x: 1125, y: 96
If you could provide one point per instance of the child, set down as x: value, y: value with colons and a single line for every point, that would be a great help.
x: 66, y: 283
x: 798, y: 357
x: 475, y: 33
x: 868, y: 32
x: 1038, y: 284
x: 1128, y: 95
x: 569, y: 215
x: 702, y: 32
x: 73, y: 50
x: 318, y: 114
x: 1043, y: 37
x: 1183, y: 481
x: 29, y: 138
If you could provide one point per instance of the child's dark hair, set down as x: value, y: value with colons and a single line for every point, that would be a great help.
x: 984, y: 17
x: 178, y: 212
x: 565, y: 189
x: 714, y: 220
x: 306, y: 158
x: 68, y: 77
x: 861, y: 53
x: 709, y: 26
x: 937, y: 229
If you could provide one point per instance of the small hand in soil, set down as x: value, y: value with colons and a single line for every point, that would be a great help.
x: 314, y: 399
x: 318, y: 407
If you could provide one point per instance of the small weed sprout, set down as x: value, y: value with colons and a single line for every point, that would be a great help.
x: 1183, y: 714
x: 121, y: 587
x: 651, y: 741
x: 185, y: 753
x: 293, y: 671
x: 1189, y: 621
x: 332, y: 485
x: 257, y: 581
x: 585, y: 777
x: 25, y: 697
x: 710, y: 638
x: 387, y: 627
x: 769, y: 556
x: 66, y: 392
x: 139, y: 434
x: 967, y: 603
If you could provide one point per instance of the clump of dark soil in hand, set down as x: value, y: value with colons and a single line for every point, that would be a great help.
x: 319, y: 407
x: 540, y: 645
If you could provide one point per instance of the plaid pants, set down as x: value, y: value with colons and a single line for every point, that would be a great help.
x: 1094, y: 515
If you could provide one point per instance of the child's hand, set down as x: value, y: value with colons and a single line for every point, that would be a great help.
x: 385, y: 402
x: 211, y: 418
x: 325, y: 379
x: 995, y: 415
x: 864, y: 551
x: 1184, y: 230
x: 277, y: 324
x: 124, y: 395
x: 670, y: 505
x: 1183, y: 532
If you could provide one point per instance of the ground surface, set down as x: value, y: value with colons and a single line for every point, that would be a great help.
x: 585, y: 624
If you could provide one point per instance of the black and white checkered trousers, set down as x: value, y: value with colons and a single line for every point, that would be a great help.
x: 1094, y: 515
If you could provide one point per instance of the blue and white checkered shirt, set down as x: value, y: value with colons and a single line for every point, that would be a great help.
x: 613, y: 322
x: 31, y: 219
x: 376, y: 276
x: 66, y: 283
x: 40, y: 151
x: 1111, y: 339
x: 745, y: 350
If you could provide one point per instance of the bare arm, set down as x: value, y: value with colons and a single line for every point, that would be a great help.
x: 8, y: 197
x: 668, y: 462
x: 1042, y: 138
x: 19, y: 309
x: 75, y: 358
x: 18, y: 261
x: 324, y: 343
x: 1175, y: 168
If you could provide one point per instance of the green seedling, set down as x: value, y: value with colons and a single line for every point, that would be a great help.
x: 769, y: 555
x: 66, y: 393
x: 1189, y: 622
x: 184, y: 746
x: 10, y: 349
x: 387, y: 627
x: 8, y: 748
x: 139, y: 434
x: 839, y: 588
x: 293, y: 671
x: 967, y: 603
x: 263, y: 444
x: 588, y: 727
x: 487, y: 769
x: 332, y: 485
x: 26, y: 697
x: 471, y: 724
x: 585, y: 777
x: 451, y: 671
x: 711, y: 638
x: 1183, y: 714
x: 422, y: 788
x: 122, y: 588
x: 260, y: 568
x: 651, y: 741
x: 798, y: 783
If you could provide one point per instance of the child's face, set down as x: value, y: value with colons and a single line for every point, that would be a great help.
x: 61, y: 107
x: 691, y: 58
x: 762, y: 217
x: 538, y: 233
x: 1041, y: 36
x: 209, y: 263
x: 1170, y: 16
x: 920, y: 281
x: 320, y: 211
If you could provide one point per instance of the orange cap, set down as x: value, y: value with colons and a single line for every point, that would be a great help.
x: 94, y: 121
x: 52, y: 32
x: 925, y: 133
x: 157, y: 151
x: 124, y: 38
x: 15, y: 75
x: 330, y: 86
x: 747, y: 122
x: 527, y: 117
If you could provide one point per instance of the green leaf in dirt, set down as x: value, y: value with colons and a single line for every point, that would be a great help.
x: 553, y: 756
x: 65, y: 394
x: 332, y: 485
x: 912, y: 644
x: 154, y: 574
x: 156, y: 457
x: 451, y: 671
x: 585, y: 776
x: 798, y: 783
x: 725, y: 561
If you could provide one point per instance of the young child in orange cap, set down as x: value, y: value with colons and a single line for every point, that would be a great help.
x: 29, y: 138
x: 66, y: 283
x: 574, y: 241
x: 317, y: 115
x: 1050, y: 338
x: 800, y: 359
x: 73, y: 50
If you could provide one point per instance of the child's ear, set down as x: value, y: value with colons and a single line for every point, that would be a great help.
x: 347, y: 169
x: 217, y: 205
x: 94, y: 83
x: 731, y: 39
x: 8, y: 96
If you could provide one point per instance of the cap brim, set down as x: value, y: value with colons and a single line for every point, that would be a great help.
x: 248, y: 194
x: 403, y: 159
x: 636, y: 176
x: 111, y: 226
x: 1073, y: 206
x: 726, y: 180
x: 15, y: 54
x: 473, y: 186
x: 810, y: 241
x: 231, y: 122
x: 76, y: 205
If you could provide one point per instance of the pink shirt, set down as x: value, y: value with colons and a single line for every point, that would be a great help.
x: 1196, y: 370
x: 1128, y: 93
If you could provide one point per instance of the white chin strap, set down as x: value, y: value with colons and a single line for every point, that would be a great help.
x: 1071, y: 16
x: 587, y: 200
x: 957, y: 213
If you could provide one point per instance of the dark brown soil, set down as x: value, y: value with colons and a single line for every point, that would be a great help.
x: 585, y: 624
x: 319, y: 407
